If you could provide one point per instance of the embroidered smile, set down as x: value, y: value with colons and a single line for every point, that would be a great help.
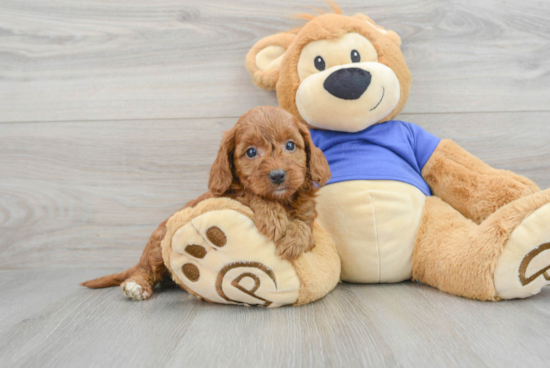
x: 381, y: 98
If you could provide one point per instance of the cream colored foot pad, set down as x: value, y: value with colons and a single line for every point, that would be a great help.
x: 221, y: 256
x: 524, y: 266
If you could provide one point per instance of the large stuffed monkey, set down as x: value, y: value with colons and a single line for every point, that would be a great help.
x: 401, y: 204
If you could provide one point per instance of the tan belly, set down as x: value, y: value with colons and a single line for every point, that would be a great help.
x: 374, y: 225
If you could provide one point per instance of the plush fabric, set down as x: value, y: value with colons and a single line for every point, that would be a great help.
x: 267, y: 78
x: 215, y: 251
x: 319, y: 269
x: 469, y: 185
x: 458, y: 256
x: 483, y: 233
x: 393, y: 150
x: 374, y: 225
x: 270, y: 58
x: 528, y: 249
x: 329, y: 27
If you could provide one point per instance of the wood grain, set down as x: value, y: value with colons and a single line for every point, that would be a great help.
x: 49, y: 321
x: 111, y: 113
x: 90, y: 194
x: 62, y: 60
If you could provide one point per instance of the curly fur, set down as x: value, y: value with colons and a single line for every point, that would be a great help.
x: 284, y: 212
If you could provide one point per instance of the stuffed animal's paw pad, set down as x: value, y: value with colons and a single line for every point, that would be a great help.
x: 191, y: 272
x: 196, y: 251
x: 216, y: 236
x: 222, y: 257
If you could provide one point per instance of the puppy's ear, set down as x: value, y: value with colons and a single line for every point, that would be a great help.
x: 221, y: 173
x: 316, y: 161
x: 263, y: 61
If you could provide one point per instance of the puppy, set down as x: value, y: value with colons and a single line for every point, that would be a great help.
x: 268, y: 162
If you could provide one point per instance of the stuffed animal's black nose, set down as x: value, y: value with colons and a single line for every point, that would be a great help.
x: 277, y: 176
x: 348, y: 83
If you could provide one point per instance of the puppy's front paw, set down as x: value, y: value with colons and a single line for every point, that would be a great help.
x: 272, y: 227
x: 136, y: 290
x: 288, y: 249
x: 298, y: 239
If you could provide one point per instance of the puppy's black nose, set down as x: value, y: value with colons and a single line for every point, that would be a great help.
x: 277, y: 176
x: 348, y: 83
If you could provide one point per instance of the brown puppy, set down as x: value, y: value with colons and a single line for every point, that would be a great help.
x: 268, y: 162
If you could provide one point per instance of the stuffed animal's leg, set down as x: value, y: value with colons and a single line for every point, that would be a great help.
x: 506, y: 256
x: 469, y: 185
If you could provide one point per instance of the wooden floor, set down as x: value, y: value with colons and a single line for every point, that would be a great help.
x: 111, y: 113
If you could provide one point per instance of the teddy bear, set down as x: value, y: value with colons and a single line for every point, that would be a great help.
x: 402, y: 204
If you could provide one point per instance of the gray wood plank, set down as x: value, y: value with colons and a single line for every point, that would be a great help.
x: 49, y: 321
x: 62, y: 60
x: 74, y: 185
x: 90, y: 194
x: 426, y: 327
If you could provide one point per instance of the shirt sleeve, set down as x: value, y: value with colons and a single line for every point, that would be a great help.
x: 424, y: 144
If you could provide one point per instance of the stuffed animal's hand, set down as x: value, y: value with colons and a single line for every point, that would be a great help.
x: 469, y: 185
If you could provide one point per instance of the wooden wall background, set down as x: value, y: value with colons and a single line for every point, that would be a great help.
x: 111, y: 111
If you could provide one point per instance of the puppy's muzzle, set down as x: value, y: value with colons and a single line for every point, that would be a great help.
x: 277, y: 176
x: 348, y: 83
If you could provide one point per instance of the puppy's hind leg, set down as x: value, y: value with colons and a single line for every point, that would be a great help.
x: 137, y: 282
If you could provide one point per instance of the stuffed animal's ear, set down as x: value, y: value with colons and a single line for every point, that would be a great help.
x: 316, y: 161
x: 263, y: 61
x: 394, y: 37
x: 221, y: 173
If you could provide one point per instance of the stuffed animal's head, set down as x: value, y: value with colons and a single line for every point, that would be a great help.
x: 337, y: 72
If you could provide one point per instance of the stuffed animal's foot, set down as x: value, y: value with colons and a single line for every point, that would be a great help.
x: 137, y: 288
x: 523, y: 268
x: 221, y: 256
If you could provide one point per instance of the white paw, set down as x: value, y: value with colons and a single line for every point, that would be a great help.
x: 221, y: 256
x: 134, y: 291
x: 524, y: 265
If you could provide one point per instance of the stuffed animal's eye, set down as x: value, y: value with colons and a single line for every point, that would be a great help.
x: 319, y: 63
x: 355, y: 57
x: 251, y: 152
x: 290, y: 146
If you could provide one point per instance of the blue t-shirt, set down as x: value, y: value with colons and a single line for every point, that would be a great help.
x: 394, y: 150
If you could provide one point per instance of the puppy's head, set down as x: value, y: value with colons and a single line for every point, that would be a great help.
x: 270, y: 153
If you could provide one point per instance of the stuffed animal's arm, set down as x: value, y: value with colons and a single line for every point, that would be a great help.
x: 469, y: 185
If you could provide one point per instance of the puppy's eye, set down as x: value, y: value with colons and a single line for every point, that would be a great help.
x: 355, y: 57
x: 251, y: 152
x: 319, y: 63
x: 290, y: 146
